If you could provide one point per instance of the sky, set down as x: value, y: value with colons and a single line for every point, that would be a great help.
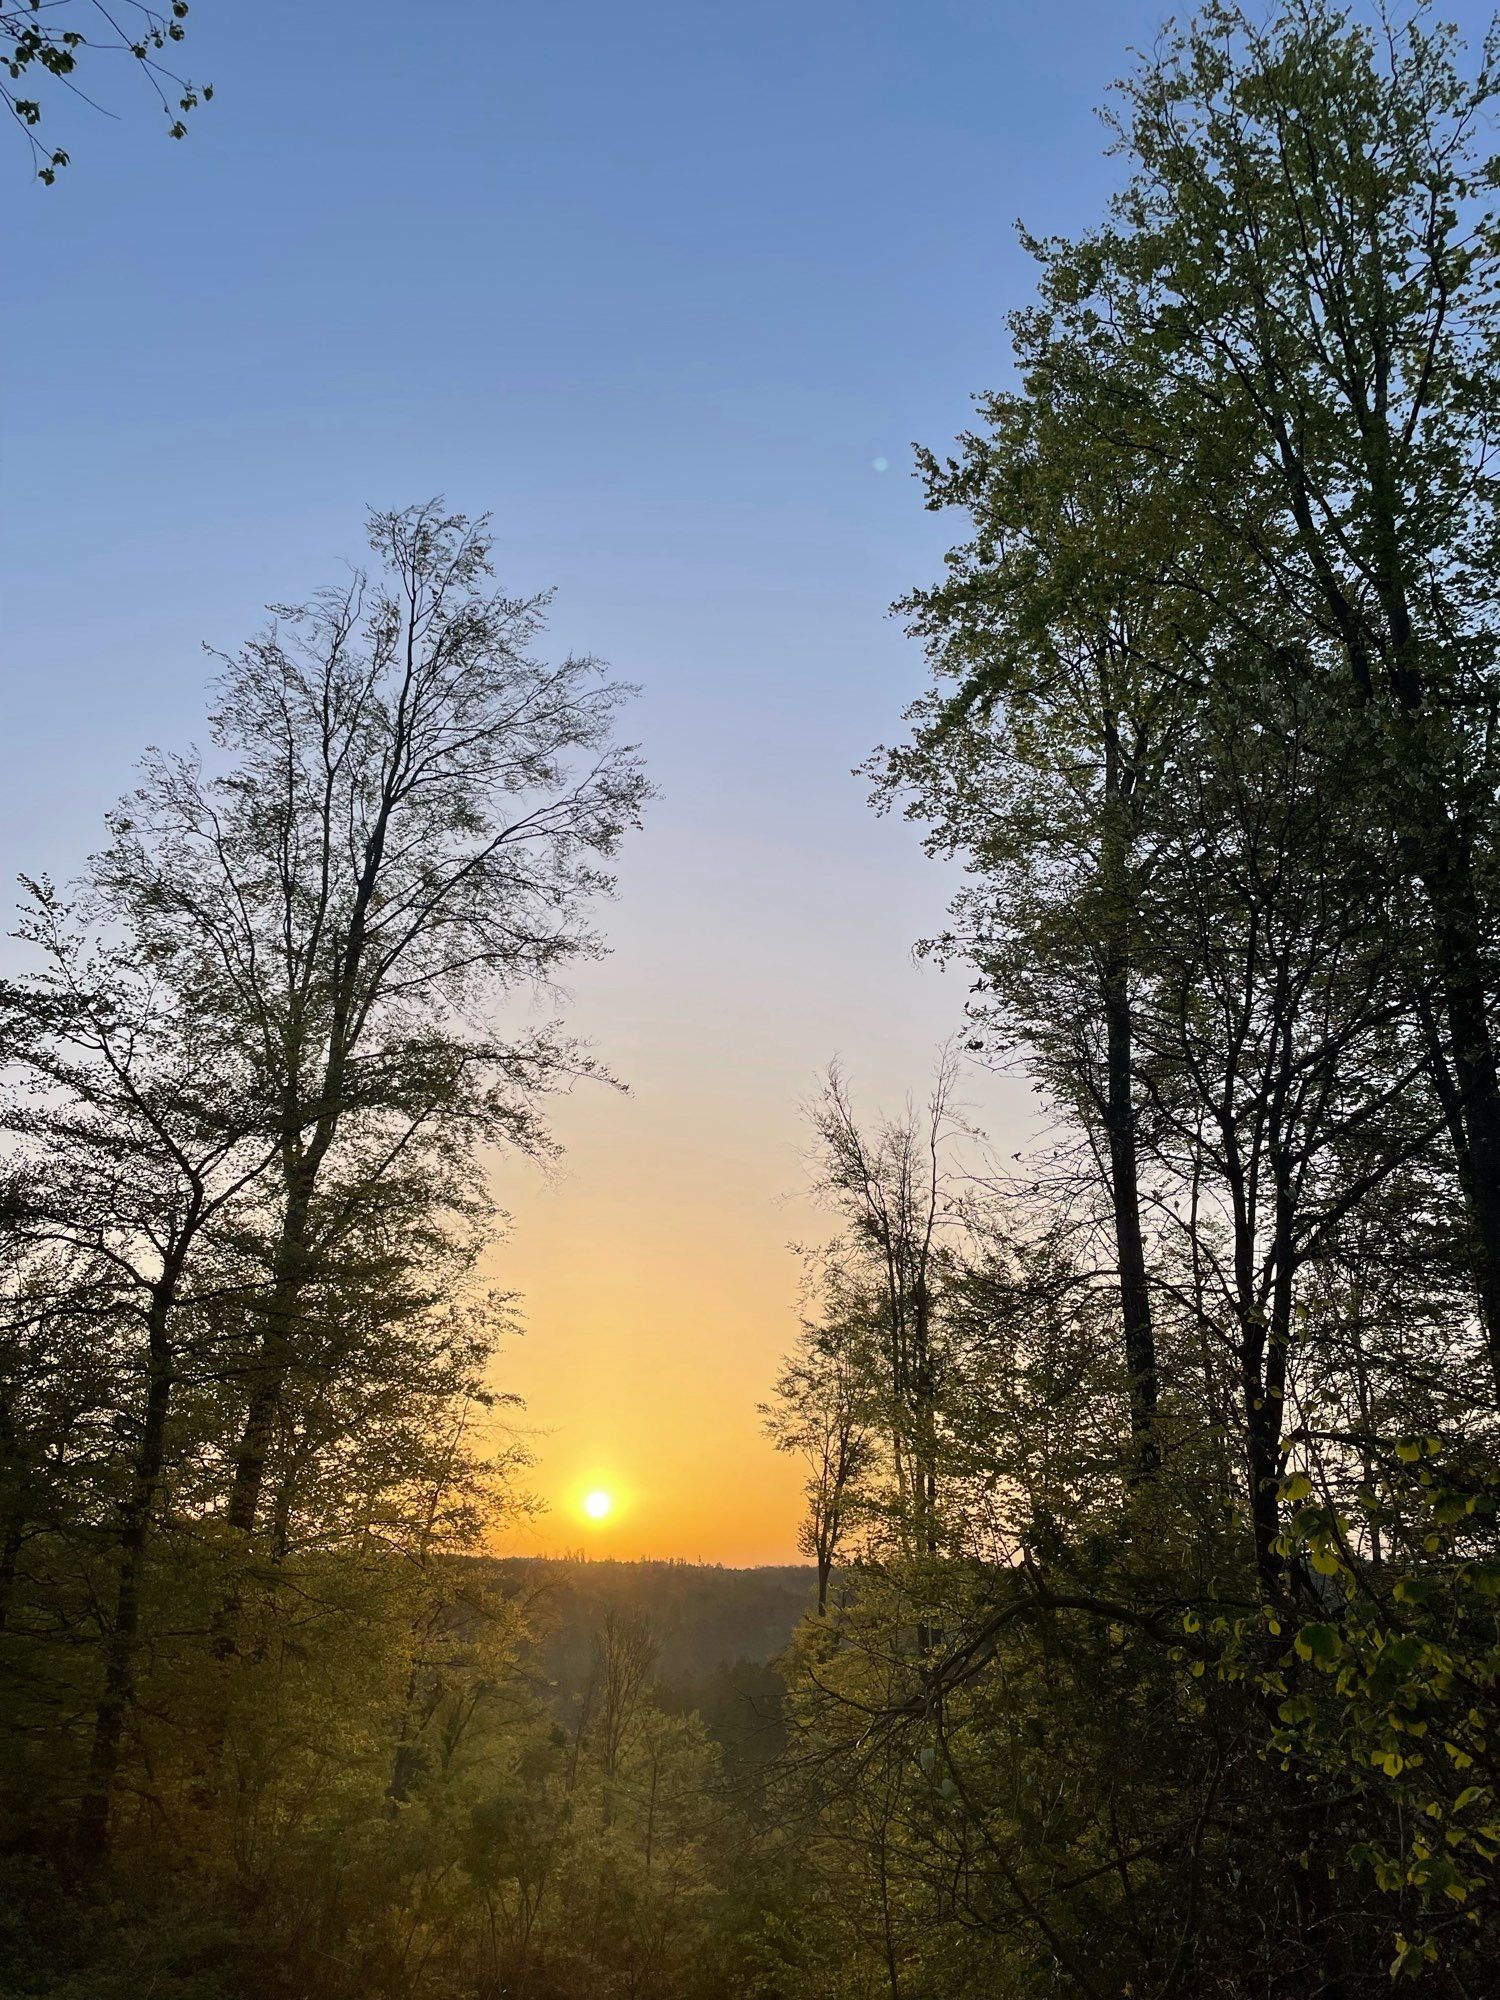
x: 669, y: 290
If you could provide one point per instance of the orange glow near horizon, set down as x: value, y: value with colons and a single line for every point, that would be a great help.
x: 647, y: 1350
x: 657, y: 1284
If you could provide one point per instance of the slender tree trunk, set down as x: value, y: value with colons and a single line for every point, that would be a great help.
x: 924, y: 1440
x: 136, y: 1516
x: 1266, y: 1344
x: 279, y: 1342
x: 1475, y: 1130
x: 273, y: 1361
x: 1125, y: 1199
x: 1262, y: 1439
x: 10, y: 1558
x: 1120, y: 1122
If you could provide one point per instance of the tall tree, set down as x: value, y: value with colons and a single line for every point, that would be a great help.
x: 891, y: 1182
x: 407, y: 826
x: 1303, y: 276
x: 1061, y: 662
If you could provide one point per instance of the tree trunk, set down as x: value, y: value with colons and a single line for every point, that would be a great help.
x: 1475, y: 1130
x: 1119, y: 1116
x: 136, y: 1514
x: 1263, y: 1463
x: 13, y: 1539
x: 272, y: 1363
x: 1125, y: 1200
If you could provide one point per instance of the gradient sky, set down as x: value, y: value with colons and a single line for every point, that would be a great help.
x: 658, y: 285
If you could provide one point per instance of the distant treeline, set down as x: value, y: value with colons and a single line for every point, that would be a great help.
x: 703, y: 1615
x: 715, y: 1636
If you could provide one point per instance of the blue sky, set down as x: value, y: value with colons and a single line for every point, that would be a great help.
x: 654, y: 283
x: 657, y: 285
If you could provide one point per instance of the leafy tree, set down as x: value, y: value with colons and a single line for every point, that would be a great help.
x: 824, y: 1411
x: 1211, y: 726
x: 254, y: 1078
x: 891, y: 1183
x: 1061, y: 660
x: 1301, y: 278
x: 407, y: 829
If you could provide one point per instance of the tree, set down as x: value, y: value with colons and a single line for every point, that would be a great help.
x: 1302, y: 279
x: 892, y: 1185
x: 823, y: 1409
x: 1060, y: 661
x: 253, y: 1086
x: 1213, y: 729
x: 407, y: 829
x: 136, y: 1132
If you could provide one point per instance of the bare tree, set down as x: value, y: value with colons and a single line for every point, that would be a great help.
x: 822, y: 1409
x: 891, y: 1183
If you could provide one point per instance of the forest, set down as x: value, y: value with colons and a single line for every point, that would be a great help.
x: 1148, y: 1639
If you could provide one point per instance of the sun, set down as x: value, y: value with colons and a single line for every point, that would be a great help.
x: 598, y: 1504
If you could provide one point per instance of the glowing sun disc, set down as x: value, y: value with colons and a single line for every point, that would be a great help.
x: 597, y: 1504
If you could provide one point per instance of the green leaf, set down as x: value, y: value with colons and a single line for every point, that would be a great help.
x: 1319, y: 1643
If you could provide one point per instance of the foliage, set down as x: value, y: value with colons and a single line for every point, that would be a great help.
x: 43, y: 46
x: 1175, y: 1678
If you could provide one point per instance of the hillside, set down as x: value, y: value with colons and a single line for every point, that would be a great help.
x: 716, y: 1634
x: 702, y: 1616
